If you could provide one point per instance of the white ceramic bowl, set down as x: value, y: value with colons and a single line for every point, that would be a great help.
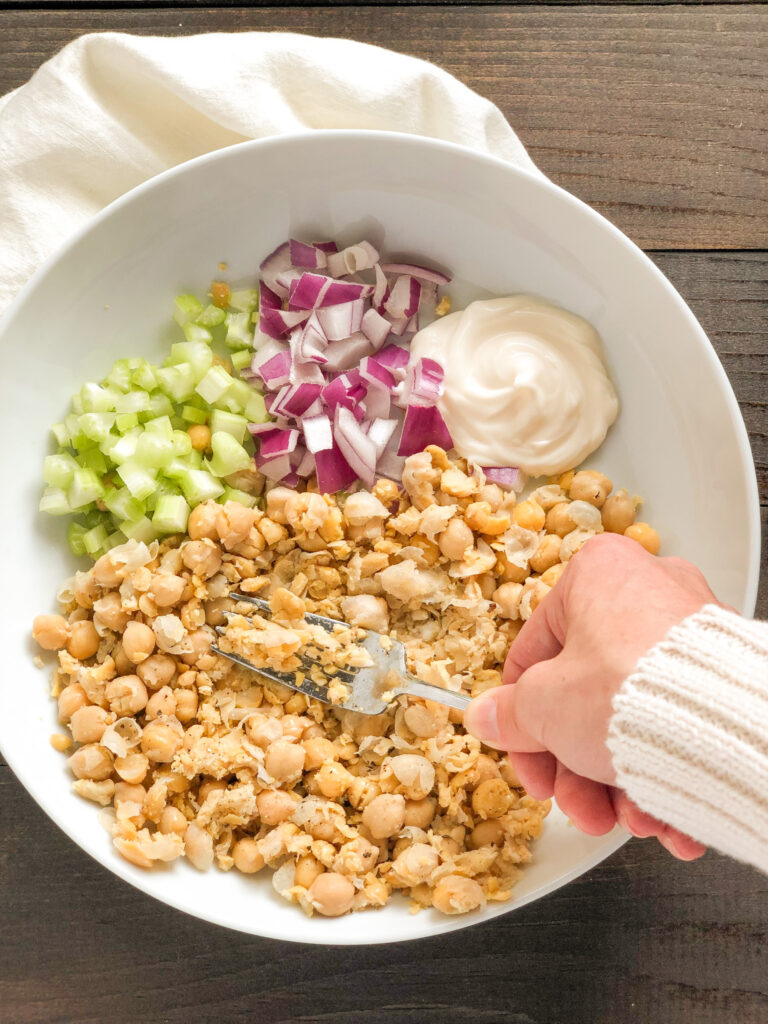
x: 679, y: 440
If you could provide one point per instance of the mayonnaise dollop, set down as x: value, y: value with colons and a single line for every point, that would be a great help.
x: 525, y: 383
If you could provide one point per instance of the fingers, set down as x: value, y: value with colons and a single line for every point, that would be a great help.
x: 681, y: 845
x: 587, y: 803
x: 536, y: 773
x: 540, y: 639
x: 514, y: 718
x: 643, y: 825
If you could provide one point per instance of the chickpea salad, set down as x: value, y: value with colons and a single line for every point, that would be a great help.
x: 191, y: 756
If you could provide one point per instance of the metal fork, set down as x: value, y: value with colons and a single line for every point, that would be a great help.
x: 366, y: 685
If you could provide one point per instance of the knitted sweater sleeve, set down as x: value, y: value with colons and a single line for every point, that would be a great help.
x: 689, y: 732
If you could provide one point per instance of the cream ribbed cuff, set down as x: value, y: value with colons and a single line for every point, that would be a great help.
x: 689, y: 733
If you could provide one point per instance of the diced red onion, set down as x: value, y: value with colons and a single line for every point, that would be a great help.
x: 344, y: 355
x: 297, y: 399
x: 277, y: 469
x: 373, y: 370
x: 342, y: 320
x: 306, y: 373
x: 313, y: 291
x: 353, y: 259
x: 304, y: 255
x: 326, y: 246
x: 404, y: 298
x: 273, y: 265
x: 273, y: 446
x: 355, y: 445
x: 269, y: 299
x: 375, y: 327
x: 306, y: 465
x: 381, y: 289
x: 414, y: 270
x: 509, y: 478
x: 334, y: 473
x: 423, y: 425
x: 378, y: 401
x: 380, y: 433
x: 276, y: 371
x: 276, y: 323
x: 390, y: 466
x: 395, y: 358
x: 424, y: 382
x: 318, y: 435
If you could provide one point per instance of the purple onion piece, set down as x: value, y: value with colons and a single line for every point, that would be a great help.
x: 423, y: 425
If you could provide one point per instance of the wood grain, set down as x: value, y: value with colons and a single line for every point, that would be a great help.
x: 657, y: 116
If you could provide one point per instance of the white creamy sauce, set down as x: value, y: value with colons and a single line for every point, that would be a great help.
x: 525, y: 383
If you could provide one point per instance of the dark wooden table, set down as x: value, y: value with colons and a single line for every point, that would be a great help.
x: 657, y: 115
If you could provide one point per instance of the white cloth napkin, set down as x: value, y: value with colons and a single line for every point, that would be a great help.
x: 111, y: 110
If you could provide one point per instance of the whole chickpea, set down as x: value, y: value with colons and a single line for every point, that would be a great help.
x: 200, y: 641
x: 88, y: 724
x: 331, y: 894
x: 127, y: 695
x: 529, y: 515
x: 587, y: 485
x: 293, y: 726
x: 132, y: 768
x: 645, y: 536
x: 214, y: 611
x: 420, y: 813
x: 160, y: 741
x: 491, y: 799
x: 421, y: 721
x: 122, y: 665
x: 318, y: 749
x: 333, y: 780
x: 127, y: 793
x: 492, y: 494
x: 198, y: 847
x: 233, y: 524
x: 83, y: 640
x: 71, y: 699
x: 263, y: 731
x: 455, y: 894
x: 108, y: 611
x: 416, y: 863
x: 487, y: 833
x: 186, y: 705
x: 284, y: 760
x: 246, y: 856
x: 483, y: 769
x: 455, y: 540
x: 166, y: 589
x: 138, y: 642
x: 559, y: 520
x: 202, y: 558
x: 210, y: 786
x: 507, y: 597
x: 91, y: 762
x: 547, y: 553
x: 163, y: 702
x: 275, y: 805
x: 618, y: 512
x: 107, y: 571
x: 158, y: 670
x: 172, y: 820
x: 200, y: 436
x: 51, y: 632
x: 276, y: 499
x: 308, y: 868
x: 202, y: 521
x: 385, y: 815
x: 553, y: 574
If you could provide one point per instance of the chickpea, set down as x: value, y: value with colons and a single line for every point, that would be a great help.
x: 416, y: 863
x: 202, y: 521
x: 455, y: 540
x: 487, y: 833
x: 107, y: 571
x: 590, y: 486
x: 559, y: 520
x: 160, y: 741
x: 91, y: 762
x: 483, y: 769
x: 86, y: 589
x: 138, y: 642
x: 275, y: 805
x: 313, y: 732
x: 166, y: 589
x: 318, y: 750
x: 200, y: 436
x: 492, y: 494
x: 214, y: 611
x: 108, y: 611
x: 122, y: 665
x: 385, y: 815
x: 186, y: 705
x: 50, y: 632
x: 480, y: 517
x: 211, y: 786
x: 126, y: 793
x: 455, y: 894
x: 509, y: 774
x: 284, y: 760
x: 127, y: 695
x: 200, y: 642
x: 529, y: 515
x: 618, y: 512
x: 553, y: 574
x: 83, y: 640
x: 292, y: 725
x: 161, y: 703
x: 421, y: 721
x: 294, y: 706
x: 308, y: 868
x: 88, y: 724
x: 247, y: 857
x: 547, y: 553
x: 507, y: 597
x: 233, y: 524
x: 157, y: 670
x: 491, y: 799
x: 645, y: 536
x: 71, y: 699
x: 198, y: 846
x: 420, y: 813
x: 331, y: 894
x: 132, y: 768
x: 276, y: 499
x: 333, y: 780
x: 566, y: 479
x: 172, y: 820
x: 264, y: 731
x: 202, y: 558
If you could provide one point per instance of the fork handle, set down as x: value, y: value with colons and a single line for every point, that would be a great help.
x: 428, y: 691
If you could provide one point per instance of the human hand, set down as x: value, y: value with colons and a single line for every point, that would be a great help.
x: 611, y: 605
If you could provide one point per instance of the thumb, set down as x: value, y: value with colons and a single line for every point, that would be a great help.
x: 514, y: 716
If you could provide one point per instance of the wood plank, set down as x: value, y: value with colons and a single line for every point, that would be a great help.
x: 32, y: 5
x: 657, y: 116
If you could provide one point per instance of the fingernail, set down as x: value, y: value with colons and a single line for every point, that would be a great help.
x: 481, y: 719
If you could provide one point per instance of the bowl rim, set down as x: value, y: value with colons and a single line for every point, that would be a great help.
x: 322, y: 137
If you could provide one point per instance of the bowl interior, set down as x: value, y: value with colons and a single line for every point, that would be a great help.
x: 679, y: 440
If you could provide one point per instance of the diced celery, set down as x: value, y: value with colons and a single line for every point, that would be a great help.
x: 239, y: 332
x: 229, y: 423
x: 140, y: 529
x: 126, y: 421
x: 239, y: 394
x: 178, y: 382
x: 193, y: 415
x: 199, y: 485
x: 72, y: 425
x: 178, y: 423
x: 182, y: 444
x: 123, y: 448
x: 255, y: 410
x: 120, y: 375
x: 214, y: 384
x: 195, y: 353
x: 160, y: 425
x: 61, y: 434
x: 211, y: 316
x: 242, y: 497
x: 54, y: 501
x: 139, y: 479
x: 133, y: 401
x: 186, y: 308
x: 85, y: 488
x: 92, y: 516
x: 58, y: 470
x: 194, y: 332
x: 96, y: 425
x: 241, y: 358
x: 245, y: 300
x: 153, y: 450
x: 229, y: 456
x: 159, y: 405
x: 77, y: 405
x: 171, y: 514
x: 95, y: 398
x: 75, y: 534
x: 114, y: 539
x: 94, y: 540
x: 144, y: 377
x: 180, y: 467
x: 122, y: 504
x: 93, y: 459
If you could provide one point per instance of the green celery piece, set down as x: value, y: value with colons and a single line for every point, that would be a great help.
x: 154, y: 450
x: 139, y: 479
x: 84, y: 489
x: 120, y: 375
x: 193, y: 415
x: 241, y: 497
x: 171, y: 514
x: 229, y: 456
x: 182, y: 444
x: 144, y: 377
x: 229, y: 423
x: 214, y: 384
x: 159, y: 405
x: 211, y: 316
x: 75, y: 534
x: 133, y: 401
x: 95, y: 398
x: 140, y: 529
x: 245, y: 300
x: 196, y: 354
x: 241, y: 358
x: 186, y: 308
x: 96, y: 425
x: 58, y: 470
x: 122, y: 504
x: 126, y: 421
x: 177, y: 382
x: 239, y: 333
x: 77, y: 405
x: 114, y: 539
x: 122, y: 448
x: 61, y: 434
x: 54, y: 501
x: 240, y: 392
x: 160, y: 425
x: 93, y: 459
x: 255, y: 410
x: 195, y: 332
x: 95, y: 539
x: 199, y: 485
